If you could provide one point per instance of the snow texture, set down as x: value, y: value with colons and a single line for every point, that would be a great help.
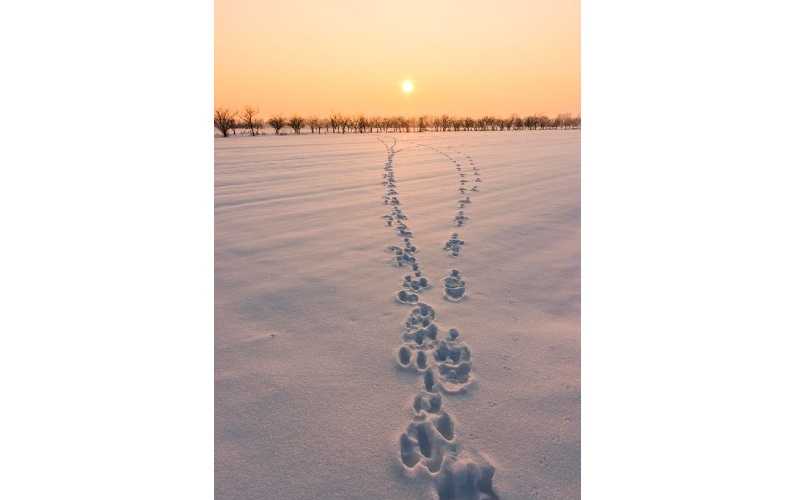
x: 398, y: 316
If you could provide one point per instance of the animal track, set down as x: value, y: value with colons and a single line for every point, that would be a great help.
x: 429, y: 443
x: 402, y: 257
x: 453, y: 363
x: 454, y: 286
x: 403, y: 229
x: 461, y: 218
x: 466, y: 477
x: 430, y: 403
x: 454, y: 244
x: 417, y: 285
x: 407, y: 298
x: 446, y: 364
x: 423, y: 442
x: 430, y: 439
x: 406, y: 354
x: 419, y: 326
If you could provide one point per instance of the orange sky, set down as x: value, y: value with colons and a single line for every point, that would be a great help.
x: 466, y: 58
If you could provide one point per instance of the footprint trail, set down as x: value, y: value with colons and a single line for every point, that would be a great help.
x: 430, y: 444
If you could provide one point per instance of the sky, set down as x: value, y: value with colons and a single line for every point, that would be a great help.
x: 465, y: 58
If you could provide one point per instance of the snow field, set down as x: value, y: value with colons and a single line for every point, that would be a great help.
x: 398, y: 316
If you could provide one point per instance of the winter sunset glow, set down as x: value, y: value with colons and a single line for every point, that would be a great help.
x: 472, y: 58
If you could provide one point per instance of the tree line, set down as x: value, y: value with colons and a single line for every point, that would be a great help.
x: 228, y: 121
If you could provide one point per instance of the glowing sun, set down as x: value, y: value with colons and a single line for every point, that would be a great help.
x: 408, y: 86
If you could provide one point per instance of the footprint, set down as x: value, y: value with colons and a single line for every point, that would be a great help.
x: 419, y: 326
x: 421, y: 335
x: 417, y: 285
x: 430, y: 403
x: 409, y: 451
x: 454, y: 286
x: 421, y: 360
x: 466, y: 477
x: 461, y: 218
x: 429, y: 441
x: 429, y: 447
x: 403, y: 229
x: 450, y: 351
x: 454, y: 378
x: 428, y: 381
x: 454, y: 244
x: 404, y: 355
x: 401, y: 257
x: 445, y: 426
x: 421, y: 316
x: 398, y: 252
x: 452, y: 364
x: 408, y: 247
x: 407, y: 298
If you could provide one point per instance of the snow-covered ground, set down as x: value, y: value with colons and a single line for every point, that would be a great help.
x: 398, y: 316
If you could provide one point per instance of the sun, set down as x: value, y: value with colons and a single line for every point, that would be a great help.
x: 408, y: 86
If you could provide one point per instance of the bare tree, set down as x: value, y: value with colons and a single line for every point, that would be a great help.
x: 277, y: 122
x: 297, y: 123
x: 517, y: 122
x: 339, y: 122
x: 224, y: 120
x: 314, y: 123
x: 564, y: 120
x: 445, y: 123
x: 249, y: 121
x: 345, y: 122
x: 399, y: 123
x: 361, y: 123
